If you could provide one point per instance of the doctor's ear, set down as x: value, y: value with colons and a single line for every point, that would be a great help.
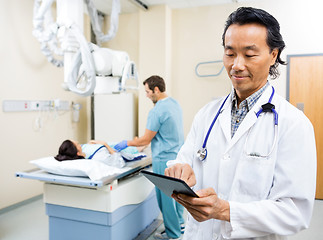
x: 274, y: 54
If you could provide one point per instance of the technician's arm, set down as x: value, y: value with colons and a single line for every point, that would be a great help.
x: 144, y: 140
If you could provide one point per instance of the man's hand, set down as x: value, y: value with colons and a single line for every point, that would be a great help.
x: 182, y: 171
x: 121, y: 145
x: 207, y: 206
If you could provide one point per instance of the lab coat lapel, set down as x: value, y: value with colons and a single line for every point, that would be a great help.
x: 225, y: 119
x: 250, y: 119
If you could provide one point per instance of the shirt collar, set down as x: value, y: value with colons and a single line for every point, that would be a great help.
x: 250, y: 101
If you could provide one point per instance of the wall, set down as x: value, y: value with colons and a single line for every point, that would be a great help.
x: 26, y: 75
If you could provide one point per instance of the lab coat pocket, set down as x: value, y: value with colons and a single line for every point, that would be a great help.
x: 254, y: 178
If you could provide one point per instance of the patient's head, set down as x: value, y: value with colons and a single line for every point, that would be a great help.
x: 69, y: 150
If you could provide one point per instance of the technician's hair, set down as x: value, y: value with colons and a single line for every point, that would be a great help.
x: 67, y: 151
x: 155, y: 81
x: 245, y: 15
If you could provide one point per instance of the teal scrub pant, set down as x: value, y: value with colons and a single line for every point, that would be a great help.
x: 171, y: 210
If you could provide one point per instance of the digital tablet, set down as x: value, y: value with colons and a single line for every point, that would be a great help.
x: 168, y: 185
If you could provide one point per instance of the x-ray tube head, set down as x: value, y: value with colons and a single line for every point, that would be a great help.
x: 103, y: 59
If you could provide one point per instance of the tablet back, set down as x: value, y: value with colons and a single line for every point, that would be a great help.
x: 168, y: 185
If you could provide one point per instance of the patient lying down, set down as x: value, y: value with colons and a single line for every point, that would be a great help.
x: 95, y: 160
x: 70, y: 150
x: 95, y: 150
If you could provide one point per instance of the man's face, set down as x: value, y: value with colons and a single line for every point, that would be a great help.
x: 150, y: 94
x: 247, y: 57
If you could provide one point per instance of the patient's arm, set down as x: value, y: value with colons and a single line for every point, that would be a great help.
x: 111, y: 151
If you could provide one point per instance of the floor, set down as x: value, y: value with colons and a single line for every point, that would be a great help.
x: 29, y: 222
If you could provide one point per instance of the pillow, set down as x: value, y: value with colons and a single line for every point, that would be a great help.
x: 95, y: 170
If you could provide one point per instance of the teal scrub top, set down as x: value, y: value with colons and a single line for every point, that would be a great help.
x: 166, y: 119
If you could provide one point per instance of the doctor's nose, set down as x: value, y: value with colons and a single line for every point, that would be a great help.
x: 238, y: 64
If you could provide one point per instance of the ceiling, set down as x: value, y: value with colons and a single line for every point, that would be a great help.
x: 128, y: 6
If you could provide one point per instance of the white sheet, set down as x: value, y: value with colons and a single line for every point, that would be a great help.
x: 95, y: 170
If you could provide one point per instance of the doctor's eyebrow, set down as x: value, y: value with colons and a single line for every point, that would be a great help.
x: 251, y: 47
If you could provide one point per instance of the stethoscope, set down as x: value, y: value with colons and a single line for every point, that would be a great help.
x: 268, y: 107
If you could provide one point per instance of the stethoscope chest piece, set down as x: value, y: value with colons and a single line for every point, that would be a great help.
x: 201, y: 154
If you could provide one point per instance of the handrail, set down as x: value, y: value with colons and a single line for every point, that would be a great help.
x: 208, y: 75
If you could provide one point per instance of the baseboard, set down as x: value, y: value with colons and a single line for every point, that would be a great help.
x: 19, y: 204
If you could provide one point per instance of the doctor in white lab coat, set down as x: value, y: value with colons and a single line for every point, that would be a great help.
x: 247, y: 189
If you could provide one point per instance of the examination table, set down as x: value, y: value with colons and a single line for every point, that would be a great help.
x: 117, y: 207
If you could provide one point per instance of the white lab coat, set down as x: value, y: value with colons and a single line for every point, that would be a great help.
x: 269, y: 197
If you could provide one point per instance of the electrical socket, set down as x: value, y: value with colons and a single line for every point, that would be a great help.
x: 34, y: 105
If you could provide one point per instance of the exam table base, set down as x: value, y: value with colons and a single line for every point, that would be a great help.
x: 125, y: 223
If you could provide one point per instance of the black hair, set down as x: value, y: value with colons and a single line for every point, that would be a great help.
x: 246, y: 15
x: 155, y: 81
x: 67, y: 151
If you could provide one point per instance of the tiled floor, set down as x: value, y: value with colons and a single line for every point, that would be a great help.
x: 29, y: 222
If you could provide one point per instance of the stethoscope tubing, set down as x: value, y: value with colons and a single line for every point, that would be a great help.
x: 214, y: 120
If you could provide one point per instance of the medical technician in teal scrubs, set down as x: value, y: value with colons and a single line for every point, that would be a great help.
x: 164, y: 130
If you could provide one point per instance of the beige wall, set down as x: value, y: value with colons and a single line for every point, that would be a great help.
x: 26, y: 75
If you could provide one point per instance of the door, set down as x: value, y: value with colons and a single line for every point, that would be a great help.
x: 305, y: 92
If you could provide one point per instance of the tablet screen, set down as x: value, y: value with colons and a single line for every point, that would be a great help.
x: 168, y: 185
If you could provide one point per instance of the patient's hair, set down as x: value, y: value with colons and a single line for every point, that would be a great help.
x: 155, y: 81
x: 67, y: 151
